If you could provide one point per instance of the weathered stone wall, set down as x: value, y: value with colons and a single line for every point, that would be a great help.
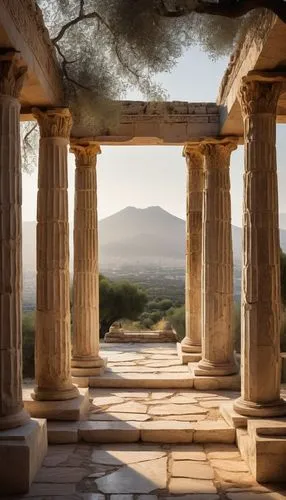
x: 142, y: 122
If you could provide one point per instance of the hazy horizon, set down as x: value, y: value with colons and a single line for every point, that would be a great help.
x: 143, y: 176
x: 143, y: 208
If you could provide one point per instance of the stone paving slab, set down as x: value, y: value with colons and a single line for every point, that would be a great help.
x: 143, y: 365
x: 147, y: 472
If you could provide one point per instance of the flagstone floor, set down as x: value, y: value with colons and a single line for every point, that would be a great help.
x: 156, y: 365
x: 147, y: 472
x: 153, y: 405
x: 142, y: 470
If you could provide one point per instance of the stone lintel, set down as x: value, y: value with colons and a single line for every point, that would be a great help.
x: 22, y: 450
x: 23, y: 30
x: 266, y: 76
x: 72, y: 409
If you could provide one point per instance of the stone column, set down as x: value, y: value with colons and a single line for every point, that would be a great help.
x: 53, y: 342
x: 85, y: 359
x: 261, y: 300
x: 217, y: 268
x: 195, y: 181
x: 12, y: 413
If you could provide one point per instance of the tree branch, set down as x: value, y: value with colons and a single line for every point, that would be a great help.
x: 81, y: 17
x: 65, y: 71
x: 226, y: 8
x: 25, y: 138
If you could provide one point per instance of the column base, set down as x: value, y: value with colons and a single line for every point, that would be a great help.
x: 214, y: 382
x: 40, y: 394
x: 250, y: 409
x: 15, y: 420
x: 22, y: 450
x: 187, y: 357
x: 87, y: 366
x: 207, y: 368
x: 190, y: 347
x: 71, y: 409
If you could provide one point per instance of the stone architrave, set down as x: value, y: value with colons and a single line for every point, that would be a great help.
x: 85, y: 359
x: 12, y: 413
x: 261, y: 300
x: 217, y: 263
x: 195, y: 183
x: 53, y: 342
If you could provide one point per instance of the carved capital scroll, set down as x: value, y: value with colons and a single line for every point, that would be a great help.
x: 257, y: 96
x: 55, y: 122
x: 193, y: 155
x: 218, y: 153
x: 12, y: 75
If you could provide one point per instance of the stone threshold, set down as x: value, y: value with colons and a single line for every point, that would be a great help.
x: 138, y: 380
x: 151, y: 432
x: 70, y: 409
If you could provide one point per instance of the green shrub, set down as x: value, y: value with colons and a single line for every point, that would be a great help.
x: 176, y: 316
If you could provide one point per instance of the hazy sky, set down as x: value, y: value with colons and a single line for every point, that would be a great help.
x: 142, y: 176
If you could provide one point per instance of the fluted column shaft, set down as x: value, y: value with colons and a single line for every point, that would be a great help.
x: 261, y: 300
x: 217, y: 267
x: 85, y: 359
x: 12, y: 413
x: 195, y: 183
x: 53, y: 344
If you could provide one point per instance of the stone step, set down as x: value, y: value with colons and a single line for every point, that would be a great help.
x: 215, y: 382
x: 263, y: 447
x: 70, y: 409
x: 154, y: 432
x: 142, y: 380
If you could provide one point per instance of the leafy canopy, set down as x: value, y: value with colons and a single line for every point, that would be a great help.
x: 107, y: 47
x: 119, y: 300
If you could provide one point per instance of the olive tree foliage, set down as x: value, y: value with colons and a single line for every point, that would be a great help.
x: 106, y: 48
x: 227, y: 8
x: 29, y: 136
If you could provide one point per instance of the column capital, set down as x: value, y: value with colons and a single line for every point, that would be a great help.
x: 85, y: 152
x: 259, y: 92
x: 217, y: 151
x: 12, y: 75
x: 55, y: 122
x: 193, y: 155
